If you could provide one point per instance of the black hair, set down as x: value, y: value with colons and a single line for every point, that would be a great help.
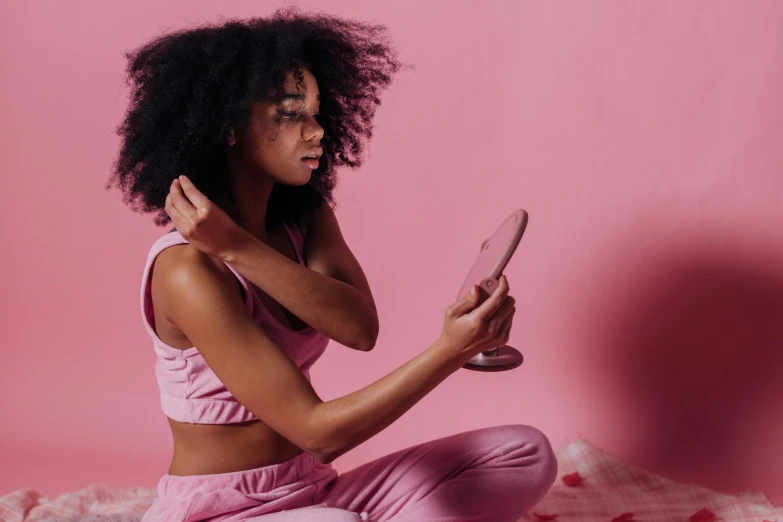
x: 192, y: 86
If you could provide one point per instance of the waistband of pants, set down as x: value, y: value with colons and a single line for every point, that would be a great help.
x: 266, y: 478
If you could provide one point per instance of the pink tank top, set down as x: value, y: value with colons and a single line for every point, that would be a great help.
x: 189, y: 389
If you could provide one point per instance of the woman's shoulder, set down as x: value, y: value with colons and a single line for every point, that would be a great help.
x: 184, y: 258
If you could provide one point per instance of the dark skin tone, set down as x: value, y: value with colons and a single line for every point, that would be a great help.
x: 255, y: 163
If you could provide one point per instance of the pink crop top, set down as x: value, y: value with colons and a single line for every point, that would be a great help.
x: 189, y: 390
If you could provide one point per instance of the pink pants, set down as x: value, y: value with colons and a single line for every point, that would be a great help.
x: 491, y: 474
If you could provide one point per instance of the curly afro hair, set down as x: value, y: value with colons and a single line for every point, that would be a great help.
x: 192, y: 86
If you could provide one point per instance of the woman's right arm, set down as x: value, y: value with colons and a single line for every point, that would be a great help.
x: 468, y: 328
x: 346, y: 422
x: 206, y: 304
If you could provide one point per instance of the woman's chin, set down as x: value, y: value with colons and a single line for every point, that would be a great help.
x: 298, y: 181
x: 306, y: 177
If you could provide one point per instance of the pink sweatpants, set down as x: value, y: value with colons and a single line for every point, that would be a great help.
x: 490, y: 474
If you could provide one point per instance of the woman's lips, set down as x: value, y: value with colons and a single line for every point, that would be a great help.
x: 311, y: 162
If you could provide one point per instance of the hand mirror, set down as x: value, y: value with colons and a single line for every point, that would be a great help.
x: 488, y: 267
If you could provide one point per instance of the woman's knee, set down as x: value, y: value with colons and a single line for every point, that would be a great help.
x: 533, y: 444
x: 516, y: 446
x: 532, y: 452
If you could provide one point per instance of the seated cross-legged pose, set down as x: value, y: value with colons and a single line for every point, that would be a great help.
x: 243, y: 295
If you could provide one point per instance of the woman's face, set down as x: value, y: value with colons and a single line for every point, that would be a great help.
x: 278, y: 135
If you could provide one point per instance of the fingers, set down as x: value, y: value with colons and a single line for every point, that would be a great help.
x: 505, y: 308
x: 496, y: 322
x: 461, y: 306
x: 196, y: 197
x: 179, y: 200
x: 505, y: 329
x: 489, y: 307
x: 174, y: 214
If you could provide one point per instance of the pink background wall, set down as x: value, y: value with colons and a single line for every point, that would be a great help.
x: 644, y: 138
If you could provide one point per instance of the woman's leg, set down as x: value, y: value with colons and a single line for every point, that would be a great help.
x: 491, y: 474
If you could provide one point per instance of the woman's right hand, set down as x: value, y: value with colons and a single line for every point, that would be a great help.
x: 201, y: 222
x: 470, y: 329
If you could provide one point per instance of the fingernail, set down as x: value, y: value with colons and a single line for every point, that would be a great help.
x: 182, y: 177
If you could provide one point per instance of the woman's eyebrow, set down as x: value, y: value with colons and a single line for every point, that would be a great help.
x: 298, y: 97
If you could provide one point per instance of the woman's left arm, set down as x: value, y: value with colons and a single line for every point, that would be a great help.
x: 333, y: 307
x: 331, y: 294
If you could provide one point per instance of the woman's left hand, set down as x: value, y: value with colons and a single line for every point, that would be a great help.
x: 205, y: 225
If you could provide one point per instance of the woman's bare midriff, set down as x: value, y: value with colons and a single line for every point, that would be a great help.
x: 201, y: 449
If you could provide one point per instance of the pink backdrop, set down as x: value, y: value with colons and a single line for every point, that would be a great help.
x: 644, y: 138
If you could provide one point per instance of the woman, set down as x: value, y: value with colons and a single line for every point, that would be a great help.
x: 242, y: 297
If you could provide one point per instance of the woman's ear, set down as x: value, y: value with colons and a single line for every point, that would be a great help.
x: 231, y: 138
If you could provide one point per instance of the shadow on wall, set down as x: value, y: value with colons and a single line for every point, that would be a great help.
x: 693, y: 342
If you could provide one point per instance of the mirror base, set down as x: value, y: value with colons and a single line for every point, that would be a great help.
x: 498, y: 359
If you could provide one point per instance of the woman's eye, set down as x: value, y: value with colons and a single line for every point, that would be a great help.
x: 295, y: 115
